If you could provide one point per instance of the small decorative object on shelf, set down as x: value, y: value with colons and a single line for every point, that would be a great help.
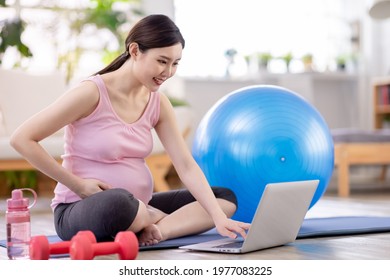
x: 307, y: 61
x: 263, y: 60
x: 341, y: 62
x: 230, y: 54
x: 288, y: 57
x: 381, y: 96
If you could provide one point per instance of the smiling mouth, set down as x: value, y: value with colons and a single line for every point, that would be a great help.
x: 158, y: 81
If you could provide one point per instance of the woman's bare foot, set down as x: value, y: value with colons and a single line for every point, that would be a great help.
x: 150, y: 235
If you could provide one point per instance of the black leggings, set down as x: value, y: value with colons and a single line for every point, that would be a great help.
x: 109, y: 212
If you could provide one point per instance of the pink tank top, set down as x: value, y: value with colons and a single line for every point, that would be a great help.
x: 104, y: 147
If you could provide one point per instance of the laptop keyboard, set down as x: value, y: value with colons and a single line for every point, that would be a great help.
x: 235, y: 244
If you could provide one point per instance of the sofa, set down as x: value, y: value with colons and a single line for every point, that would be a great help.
x: 23, y: 94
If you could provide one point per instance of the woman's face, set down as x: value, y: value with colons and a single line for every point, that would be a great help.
x: 154, y: 66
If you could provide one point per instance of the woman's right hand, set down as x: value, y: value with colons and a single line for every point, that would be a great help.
x: 90, y: 187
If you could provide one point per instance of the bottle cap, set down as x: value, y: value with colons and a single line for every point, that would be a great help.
x: 18, y: 202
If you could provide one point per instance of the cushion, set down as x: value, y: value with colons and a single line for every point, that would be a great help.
x: 360, y: 135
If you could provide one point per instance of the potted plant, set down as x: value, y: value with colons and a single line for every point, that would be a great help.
x: 307, y: 61
x: 341, y: 62
x: 287, y: 59
x: 100, y: 15
x: 386, y: 122
x: 11, y: 31
x: 230, y: 55
x: 264, y: 59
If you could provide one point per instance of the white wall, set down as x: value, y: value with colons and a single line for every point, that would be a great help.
x: 165, y: 7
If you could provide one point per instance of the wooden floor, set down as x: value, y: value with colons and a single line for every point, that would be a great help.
x: 355, y: 247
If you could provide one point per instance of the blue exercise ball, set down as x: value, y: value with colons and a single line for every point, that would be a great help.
x: 263, y: 134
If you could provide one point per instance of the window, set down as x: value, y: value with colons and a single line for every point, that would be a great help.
x: 299, y: 27
x: 71, y: 35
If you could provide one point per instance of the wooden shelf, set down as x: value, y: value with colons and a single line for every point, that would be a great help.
x: 381, y: 100
x: 381, y: 81
x: 383, y: 109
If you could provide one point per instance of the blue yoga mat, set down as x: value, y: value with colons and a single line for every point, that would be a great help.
x: 311, y: 228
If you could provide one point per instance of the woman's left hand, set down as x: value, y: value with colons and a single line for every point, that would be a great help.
x: 231, y: 228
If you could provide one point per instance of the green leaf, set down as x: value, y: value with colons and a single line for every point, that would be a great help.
x: 177, y: 102
x: 24, y: 50
x: 10, y: 36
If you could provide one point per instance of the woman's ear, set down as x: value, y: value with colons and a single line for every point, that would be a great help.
x: 133, y: 50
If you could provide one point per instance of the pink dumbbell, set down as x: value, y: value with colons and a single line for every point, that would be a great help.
x: 125, y: 245
x: 41, y: 249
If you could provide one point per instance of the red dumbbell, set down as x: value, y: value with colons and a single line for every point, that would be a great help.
x: 125, y: 245
x: 41, y: 249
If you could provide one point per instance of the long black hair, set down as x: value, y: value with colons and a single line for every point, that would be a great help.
x: 153, y: 31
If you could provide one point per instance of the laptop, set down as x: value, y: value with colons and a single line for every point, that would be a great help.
x: 276, y: 222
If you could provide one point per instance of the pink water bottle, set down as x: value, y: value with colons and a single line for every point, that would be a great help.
x: 18, y: 224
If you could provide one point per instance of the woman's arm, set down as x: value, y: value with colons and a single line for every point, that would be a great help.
x: 73, y: 105
x: 190, y: 173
